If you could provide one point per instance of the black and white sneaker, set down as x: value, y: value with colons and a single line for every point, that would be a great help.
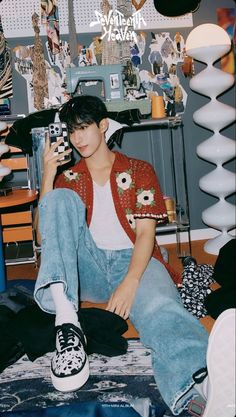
x: 221, y: 367
x: 69, y: 365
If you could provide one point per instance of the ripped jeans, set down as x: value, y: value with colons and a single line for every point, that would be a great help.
x: 178, y: 342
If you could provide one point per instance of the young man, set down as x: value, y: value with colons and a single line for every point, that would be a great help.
x: 98, y: 244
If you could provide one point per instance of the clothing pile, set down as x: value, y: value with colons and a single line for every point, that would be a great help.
x: 26, y: 329
x: 20, y: 132
x: 196, y: 281
x: 195, y: 291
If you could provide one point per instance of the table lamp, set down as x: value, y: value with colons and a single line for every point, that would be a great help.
x: 207, y: 43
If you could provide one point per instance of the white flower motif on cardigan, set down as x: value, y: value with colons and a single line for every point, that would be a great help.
x: 130, y: 218
x: 145, y: 197
x: 124, y: 181
x: 70, y: 175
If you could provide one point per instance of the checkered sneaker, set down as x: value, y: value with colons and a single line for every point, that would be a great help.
x: 69, y: 365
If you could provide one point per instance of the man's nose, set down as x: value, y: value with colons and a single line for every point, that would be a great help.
x: 77, y: 136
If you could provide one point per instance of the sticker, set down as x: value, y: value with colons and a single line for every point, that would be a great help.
x: 114, y: 81
x: 115, y: 94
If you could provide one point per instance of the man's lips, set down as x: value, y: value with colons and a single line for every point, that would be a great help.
x: 82, y: 148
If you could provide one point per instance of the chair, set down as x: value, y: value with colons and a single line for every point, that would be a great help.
x: 17, y: 222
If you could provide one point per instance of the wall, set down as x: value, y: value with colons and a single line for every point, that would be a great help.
x: 141, y: 144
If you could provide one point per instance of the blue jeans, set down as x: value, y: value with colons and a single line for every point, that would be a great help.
x: 177, y: 340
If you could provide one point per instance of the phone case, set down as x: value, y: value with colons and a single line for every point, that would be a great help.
x: 58, y: 130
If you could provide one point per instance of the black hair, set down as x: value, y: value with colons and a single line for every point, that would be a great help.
x: 83, y: 110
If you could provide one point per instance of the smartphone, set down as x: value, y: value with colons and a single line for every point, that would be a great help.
x: 58, y: 130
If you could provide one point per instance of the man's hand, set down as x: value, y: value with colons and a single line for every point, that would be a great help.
x: 52, y: 162
x: 122, y: 298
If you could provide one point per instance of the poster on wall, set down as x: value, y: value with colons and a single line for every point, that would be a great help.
x: 227, y: 20
x: 5, y: 68
x: 55, y: 70
x: 165, y: 53
x: 159, y: 74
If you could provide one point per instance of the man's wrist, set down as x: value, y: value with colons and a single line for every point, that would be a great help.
x: 132, y: 278
x: 47, y: 185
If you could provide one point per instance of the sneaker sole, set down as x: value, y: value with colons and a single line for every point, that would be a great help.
x: 221, y: 367
x: 73, y: 382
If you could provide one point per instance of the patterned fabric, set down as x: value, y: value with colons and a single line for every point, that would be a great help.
x: 72, y: 34
x: 196, y: 286
x: 121, y: 379
x: 136, y: 194
x: 69, y: 365
x: 39, y: 79
x: 5, y: 67
x: 110, y: 50
x: 49, y: 15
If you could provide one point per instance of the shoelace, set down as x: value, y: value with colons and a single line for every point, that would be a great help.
x: 66, y: 337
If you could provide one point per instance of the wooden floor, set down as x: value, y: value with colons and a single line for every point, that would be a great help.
x: 30, y: 272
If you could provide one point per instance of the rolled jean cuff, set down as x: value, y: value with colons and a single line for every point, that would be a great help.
x: 183, y: 398
x: 43, y: 296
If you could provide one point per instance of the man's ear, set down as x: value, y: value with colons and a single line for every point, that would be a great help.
x: 112, y: 127
x: 103, y: 125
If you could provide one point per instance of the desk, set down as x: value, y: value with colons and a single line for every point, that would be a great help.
x: 15, y: 198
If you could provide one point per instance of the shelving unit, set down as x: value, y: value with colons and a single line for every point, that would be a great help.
x: 19, y: 236
x: 174, y: 153
x: 174, y: 126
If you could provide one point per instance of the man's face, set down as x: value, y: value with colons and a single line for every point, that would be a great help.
x: 88, y: 138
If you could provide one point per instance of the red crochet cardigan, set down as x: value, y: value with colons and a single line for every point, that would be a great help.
x: 135, y: 190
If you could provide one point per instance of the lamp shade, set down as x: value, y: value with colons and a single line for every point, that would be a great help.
x: 209, y: 37
x: 207, y: 43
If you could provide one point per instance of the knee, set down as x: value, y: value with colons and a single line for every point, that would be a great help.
x: 59, y: 198
x: 57, y: 195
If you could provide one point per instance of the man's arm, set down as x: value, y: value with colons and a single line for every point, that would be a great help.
x: 50, y: 165
x: 122, y: 298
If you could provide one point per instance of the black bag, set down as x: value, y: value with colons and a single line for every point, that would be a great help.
x: 225, y: 274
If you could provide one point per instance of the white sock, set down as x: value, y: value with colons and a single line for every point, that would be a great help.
x: 202, y: 388
x: 65, y: 310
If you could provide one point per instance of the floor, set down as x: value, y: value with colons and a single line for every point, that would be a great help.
x: 29, y: 271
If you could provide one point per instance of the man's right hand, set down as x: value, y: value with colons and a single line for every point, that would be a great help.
x: 51, y: 162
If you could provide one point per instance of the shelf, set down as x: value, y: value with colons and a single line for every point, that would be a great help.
x: 11, y: 117
x: 175, y: 151
x: 172, y: 227
x: 163, y: 122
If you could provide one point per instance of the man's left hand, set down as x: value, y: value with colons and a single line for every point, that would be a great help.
x: 122, y: 298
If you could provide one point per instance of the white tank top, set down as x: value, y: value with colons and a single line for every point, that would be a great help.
x: 105, y: 227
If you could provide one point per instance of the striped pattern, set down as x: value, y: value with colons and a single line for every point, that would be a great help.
x: 5, y: 67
